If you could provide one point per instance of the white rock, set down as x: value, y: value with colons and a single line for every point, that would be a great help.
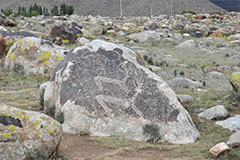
x: 219, y: 149
x: 145, y: 36
x: 185, y: 82
x: 234, y: 140
x: 214, y: 113
x: 82, y: 40
x: 187, y: 44
x: 232, y: 123
x: 185, y: 98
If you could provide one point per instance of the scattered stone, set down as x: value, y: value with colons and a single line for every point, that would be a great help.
x: 68, y: 32
x: 104, y: 89
x: 199, y: 110
x: 232, y: 123
x: 216, y: 112
x: 187, y: 44
x: 219, y: 149
x: 25, y: 133
x: 34, y: 55
x: 82, y: 41
x: 185, y: 83
x: 145, y: 36
x: 185, y: 98
x: 234, y: 140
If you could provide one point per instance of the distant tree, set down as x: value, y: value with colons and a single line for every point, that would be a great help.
x: 63, y: 10
x: 46, y: 12
x: 30, y: 10
x: 69, y: 10
x: 7, y: 12
x: 55, y: 11
x: 40, y: 12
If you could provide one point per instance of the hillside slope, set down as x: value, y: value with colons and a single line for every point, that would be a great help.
x: 230, y: 5
x: 130, y: 7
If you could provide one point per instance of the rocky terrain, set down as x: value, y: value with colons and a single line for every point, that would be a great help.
x: 130, y: 7
x: 120, y: 88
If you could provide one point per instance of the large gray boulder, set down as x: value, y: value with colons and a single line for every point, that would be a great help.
x: 27, y: 134
x: 104, y: 89
x: 34, y: 55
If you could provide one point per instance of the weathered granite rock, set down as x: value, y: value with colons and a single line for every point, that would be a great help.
x: 146, y: 36
x: 185, y: 82
x: 218, y: 149
x: 33, y: 55
x: 216, y: 112
x: 232, y: 123
x: 24, y: 133
x: 104, y: 89
x: 234, y: 140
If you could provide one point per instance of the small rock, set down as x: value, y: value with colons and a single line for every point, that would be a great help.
x: 219, y: 149
x: 214, y: 113
x: 145, y: 36
x: 187, y: 44
x: 232, y: 123
x: 185, y: 82
x: 185, y: 98
x: 199, y: 110
x: 234, y: 140
x: 216, y: 75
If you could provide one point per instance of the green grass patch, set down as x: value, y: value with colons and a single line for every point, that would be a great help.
x: 19, y: 90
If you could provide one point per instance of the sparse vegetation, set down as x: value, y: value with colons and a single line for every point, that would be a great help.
x: 152, y: 131
x: 7, y: 12
x: 35, y: 10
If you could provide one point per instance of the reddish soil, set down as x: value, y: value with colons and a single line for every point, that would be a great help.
x: 75, y: 147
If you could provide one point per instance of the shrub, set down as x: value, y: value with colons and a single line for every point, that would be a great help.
x: 34, y: 13
x: 7, y: 12
x: 152, y: 131
x: 55, y: 11
x: 42, y: 98
x: 191, y: 12
x: 66, y: 9
x: 50, y: 109
x: 18, y: 68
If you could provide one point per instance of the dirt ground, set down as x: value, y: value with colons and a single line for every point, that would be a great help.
x: 75, y: 147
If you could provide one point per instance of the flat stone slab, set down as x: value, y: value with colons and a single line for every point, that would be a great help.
x: 232, y: 123
x: 219, y: 149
